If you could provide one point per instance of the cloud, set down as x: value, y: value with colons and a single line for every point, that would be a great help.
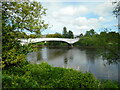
x: 104, y: 9
x: 85, y: 23
x: 70, y: 11
x: 78, y: 18
x: 69, y: 0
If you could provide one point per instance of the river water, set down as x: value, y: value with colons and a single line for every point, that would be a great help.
x: 83, y: 59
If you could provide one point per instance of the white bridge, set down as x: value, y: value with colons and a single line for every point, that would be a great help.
x: 34, y: 40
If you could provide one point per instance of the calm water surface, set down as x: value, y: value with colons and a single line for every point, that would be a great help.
x: 83, y: 59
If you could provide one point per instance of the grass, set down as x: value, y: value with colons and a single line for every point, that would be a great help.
x: 45, y: 76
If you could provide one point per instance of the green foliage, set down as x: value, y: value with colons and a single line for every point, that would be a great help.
x: 107, y: 41
x: 56, y: 35
x: 15, y: 56
x: 109, y: 84
x: 116, y: 10
x: 55, y: 43
x: 86, y: 41
x: 18, y: 82
x: 34, y: 36
x: 90, y: 32
x: 45, y: 76
x: 64, y: 32
x: 68, y: 34
x: 103, y: 39
x: 17, y: 17
x: 24, y: 15
x: 37, y: 44
x: 21, y: 34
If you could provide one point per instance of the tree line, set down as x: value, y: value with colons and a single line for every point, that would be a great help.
x: 107, y: 43
x: 65, y: 34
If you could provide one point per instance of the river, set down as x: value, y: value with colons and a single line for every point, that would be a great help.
x: 83, y: 59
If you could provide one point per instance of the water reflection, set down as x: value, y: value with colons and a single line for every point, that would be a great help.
x: 83, y: 59
x: 119, y: 72
x: 90, y: 54
x: 44, y: 54
x: 38, y: 54
x: 68, y: 57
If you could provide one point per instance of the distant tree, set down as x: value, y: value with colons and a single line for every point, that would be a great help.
x: 116, y: 10
x: 64, y: 32
x: 56, y: 35
x: 38, y: 36
x: 81, y: 35
x: 90, y: 32
x: 70, y: 34
x: 114, y: 38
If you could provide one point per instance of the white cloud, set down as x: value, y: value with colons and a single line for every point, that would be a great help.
x: 70, y: 11
x: 85, y: 27
x: 104, y: 9
x: 92, y: 22
x: 74, y: 17
x: 72, y: 0
x: 67, y: 11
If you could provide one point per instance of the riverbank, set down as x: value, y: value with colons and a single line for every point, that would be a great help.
x: 45, y: 76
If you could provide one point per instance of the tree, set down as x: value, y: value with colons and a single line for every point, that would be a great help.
x: 17, y: 17
x: 56, y: 35
x: 116, y: 10
x: 64, y: 32
x: 32, y: 36
x: 70, y: 34
x: 25, y: 16
x: 81, y: 35
x: 90, y: 33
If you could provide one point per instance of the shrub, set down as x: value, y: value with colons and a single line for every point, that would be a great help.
x: 45, y: 76
x: 109, y: 84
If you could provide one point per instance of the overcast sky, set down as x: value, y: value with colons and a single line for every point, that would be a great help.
x: 79, y: 16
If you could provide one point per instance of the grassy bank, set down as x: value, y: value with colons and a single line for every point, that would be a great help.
x: 45, y: 76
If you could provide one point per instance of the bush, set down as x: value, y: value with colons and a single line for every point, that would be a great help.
x: 45, y: 76
x: 18, y: 82
x: 109, y: 84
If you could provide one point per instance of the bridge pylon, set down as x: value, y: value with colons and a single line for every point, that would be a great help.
x: 71, y: 45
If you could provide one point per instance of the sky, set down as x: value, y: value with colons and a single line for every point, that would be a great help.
x: 79, y: 17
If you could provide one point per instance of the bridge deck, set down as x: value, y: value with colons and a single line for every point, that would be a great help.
x: 34, y: 40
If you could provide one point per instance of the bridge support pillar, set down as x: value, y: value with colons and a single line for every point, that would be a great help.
x: 71, y: 45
